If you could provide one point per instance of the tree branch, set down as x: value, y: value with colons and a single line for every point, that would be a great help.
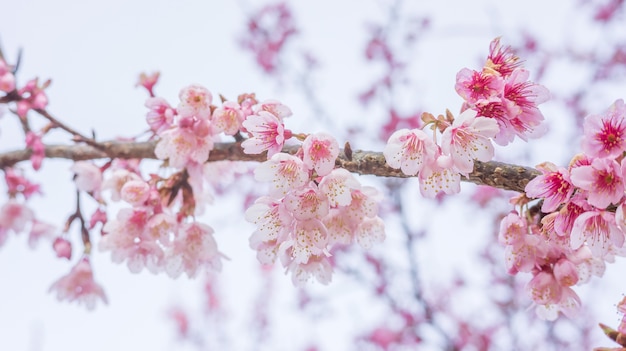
x: 495, y: 174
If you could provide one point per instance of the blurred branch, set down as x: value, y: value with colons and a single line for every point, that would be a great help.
x: 495, y: 174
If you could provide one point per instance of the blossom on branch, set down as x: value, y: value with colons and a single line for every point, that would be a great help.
x: 79, y: 285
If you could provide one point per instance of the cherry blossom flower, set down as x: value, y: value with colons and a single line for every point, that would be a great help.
x: 7, y: 79
x: 62, y: 247
x: 544, y: 288
x: 603, y: 179
x: 127, y: 240
x: 180, y: 146
x: 564, y: 221
x: 467, y: 139
x: 33, y: 97
x: 370, y: 231
x: 18, y: 184
x: 320, y: 151
x: 135, y: 192
x: 337, y: 186
x: 193, y: 249
x: 439, y: 176
x: 501, y: 59
x: 272, y: 219
x: 285, y: 171
x: 88, y: 177
x: 307, y: 203
x: 274, y: 107
x: 161, y: 114
x: 553, y: 186
x: 605, y: 135
x: 569, y: 305
x: 409, y: 150
x: 228, y: 118
x: 13, y: 217
x: 79, y: 285
x: 513, y: 228
x: 599, y: 230
x: 33, y: 142
x: 473, y: 86
x: 310, y: 237
x: 195, y: 101
x: 317, y: 267
x: 39, y: 230
x: 115, y: 182
x: 268, y: 134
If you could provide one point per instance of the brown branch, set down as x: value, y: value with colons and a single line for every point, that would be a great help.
x: 495, y: 174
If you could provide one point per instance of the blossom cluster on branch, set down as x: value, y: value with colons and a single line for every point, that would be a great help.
x: 315, y: 205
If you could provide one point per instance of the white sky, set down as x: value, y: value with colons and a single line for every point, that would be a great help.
x: 94, y: 51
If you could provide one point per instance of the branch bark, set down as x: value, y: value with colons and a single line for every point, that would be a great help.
x: 496, y: 174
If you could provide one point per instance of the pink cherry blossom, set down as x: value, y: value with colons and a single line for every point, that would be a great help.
x: 544, y: 288
x: 274, y: 107
x: 39, y: 230
x: 370, y: 231
x: 62, y: 247
x: 33, y: 97
x: 285, y: 171
x: 337, y: 186
x: 307, y: 203
x: 127, y: 240
x: 161, y: 114
x: 272, y: 219
x: 18, y: 184
x: 14, y: 216
x: 33, y: 142
x: 135, y: 192
x: 605, y: 135
x: 88, y: 177
x: 160, y: 227
x: 409, y: 150
x: 564, y: 221
x: 553, y: 186
x: 115, y: 182
x: 501, y: 59
x: 268, y: 134
x: 525, y: 254
x: 7, y: 79
x: 180, y: 146
x: 79, y: 285
x: 193, y: 249
x: 513, y: 228
x: 195, y: 101
x: 473, y: 86
x: 439, y: 176
x: 467, y: 139
x: 569, y: 305
x: 310, y: 237
x: 603, y: 179
x: 317, y: 267
x: 599, y: 230
x: 320, y: 150
x: 227, y: 118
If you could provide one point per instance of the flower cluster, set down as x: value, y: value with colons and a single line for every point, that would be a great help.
x: 439, y: 167
x: 158, y: 231
x: 311, y: 207
x: 500, y: 103
x: 502, y: 91
x: 581, y: 222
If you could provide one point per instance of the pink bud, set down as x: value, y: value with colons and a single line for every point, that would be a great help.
x: 62, y: 247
